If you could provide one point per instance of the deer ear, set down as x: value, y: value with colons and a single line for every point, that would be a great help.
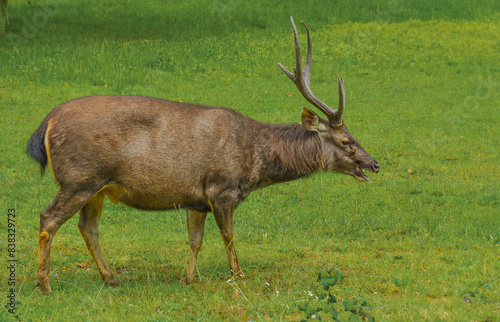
x: 311, y: 121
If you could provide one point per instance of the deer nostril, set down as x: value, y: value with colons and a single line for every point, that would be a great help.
x: 375, y: 167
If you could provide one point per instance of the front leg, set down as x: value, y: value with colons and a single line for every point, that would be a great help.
x: 224, y: 218
x: 195, y: 225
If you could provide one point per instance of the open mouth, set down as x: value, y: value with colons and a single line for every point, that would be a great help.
x: 360, y: 175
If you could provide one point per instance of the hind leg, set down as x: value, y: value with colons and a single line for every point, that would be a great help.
x: 63, y: 207
x: 90, y: 215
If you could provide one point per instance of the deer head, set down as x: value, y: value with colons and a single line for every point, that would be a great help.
x: 341, y: 151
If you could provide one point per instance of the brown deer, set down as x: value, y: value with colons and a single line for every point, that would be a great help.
x: 155, y: 154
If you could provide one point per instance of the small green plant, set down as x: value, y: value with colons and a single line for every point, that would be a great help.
x: 326, y: 303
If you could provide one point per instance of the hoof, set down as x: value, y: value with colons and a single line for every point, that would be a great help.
x: 45, y: 288
x: 112, y: 281
x: 239, y: 274
x: 185, y: 280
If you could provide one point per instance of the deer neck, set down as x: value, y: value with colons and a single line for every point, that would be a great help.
x: 290, y: 152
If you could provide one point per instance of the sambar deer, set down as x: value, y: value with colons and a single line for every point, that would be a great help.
x: 155, y: 154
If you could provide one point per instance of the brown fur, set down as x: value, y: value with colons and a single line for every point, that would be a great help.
x: 292, y: 152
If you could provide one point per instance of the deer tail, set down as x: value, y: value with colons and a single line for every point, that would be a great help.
x: 36, y: 145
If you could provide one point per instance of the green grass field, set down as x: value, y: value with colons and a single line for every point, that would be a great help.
x: 419, y: 242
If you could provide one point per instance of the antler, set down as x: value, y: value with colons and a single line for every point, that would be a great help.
x: 302, y: 77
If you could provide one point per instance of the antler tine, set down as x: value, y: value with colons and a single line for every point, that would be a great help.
x: 307, y: 69
x: 298, y: 58
x: 301, y: 79
x: 340, y: 110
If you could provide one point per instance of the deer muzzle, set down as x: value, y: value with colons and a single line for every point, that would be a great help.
x: 361, y: 176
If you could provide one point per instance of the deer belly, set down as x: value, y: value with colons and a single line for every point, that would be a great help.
x: 150, y: 201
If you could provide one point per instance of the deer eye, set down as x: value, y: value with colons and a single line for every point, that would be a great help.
x: 346, y: 142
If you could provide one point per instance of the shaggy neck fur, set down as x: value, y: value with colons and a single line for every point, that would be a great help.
x: 291, y: 152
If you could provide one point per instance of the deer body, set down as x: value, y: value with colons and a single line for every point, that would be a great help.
x: 155, y: 154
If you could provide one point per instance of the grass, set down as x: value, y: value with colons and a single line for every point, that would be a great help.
x: 420, y: 241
